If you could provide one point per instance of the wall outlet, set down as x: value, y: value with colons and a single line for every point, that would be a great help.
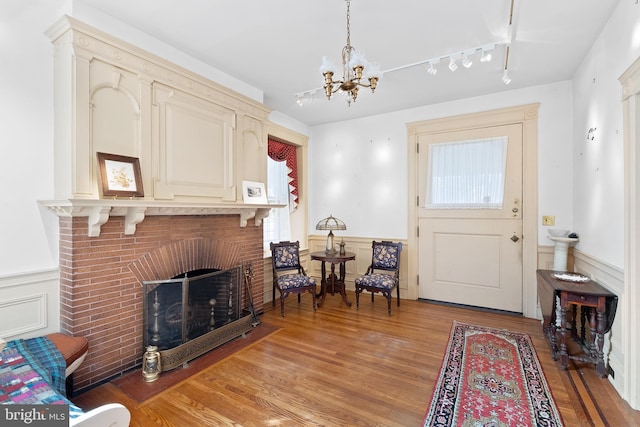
x: 548, y: 220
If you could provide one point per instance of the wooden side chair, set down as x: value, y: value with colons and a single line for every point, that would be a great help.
x: 289, y: 276
x: 383, y: 275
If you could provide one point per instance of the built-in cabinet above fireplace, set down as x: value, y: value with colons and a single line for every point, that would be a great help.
x: 196, y: 141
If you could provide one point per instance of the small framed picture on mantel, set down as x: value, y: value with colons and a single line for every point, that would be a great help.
x: 120, y: 175
x: 254, y: 193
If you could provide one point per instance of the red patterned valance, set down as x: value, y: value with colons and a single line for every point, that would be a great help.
x: 283, y: 152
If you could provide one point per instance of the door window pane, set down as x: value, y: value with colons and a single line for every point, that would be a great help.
x: 467, y: 174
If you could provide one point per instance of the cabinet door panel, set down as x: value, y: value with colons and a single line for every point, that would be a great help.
x: 196, y: 152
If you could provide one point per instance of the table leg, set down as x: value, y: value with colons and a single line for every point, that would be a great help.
x: 574, y: 315
x: 592, y: 346
x: 323, y: 284
x: 599, y: 337
x: 332, y: 279
x: 553, y: 330
x: 343, y: 288
x: 564, y: 355
x: 583, y: 317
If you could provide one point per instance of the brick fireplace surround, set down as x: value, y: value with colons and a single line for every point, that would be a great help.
x: 101, y: 278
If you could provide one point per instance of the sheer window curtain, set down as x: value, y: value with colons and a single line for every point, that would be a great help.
x: 277, y: 226
x: 467, y: 174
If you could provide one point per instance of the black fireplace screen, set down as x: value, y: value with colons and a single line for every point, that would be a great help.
x: 183, y: 308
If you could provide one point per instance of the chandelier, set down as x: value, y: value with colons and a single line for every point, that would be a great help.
x: 356, y: 72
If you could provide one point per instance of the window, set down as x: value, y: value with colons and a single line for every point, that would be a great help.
x: 282, y: 188
x: 467, y: 174
x: 277, y: 227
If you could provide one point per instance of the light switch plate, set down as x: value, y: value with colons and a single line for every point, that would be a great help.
x: 548, y: 220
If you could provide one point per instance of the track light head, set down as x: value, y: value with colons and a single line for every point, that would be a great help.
x: 431, y: 68
x: 452, y: 63
x: 466, y: 61
x: 486, y: 52
x: 505, y: 77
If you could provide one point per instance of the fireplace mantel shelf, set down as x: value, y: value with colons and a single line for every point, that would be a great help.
x: 135, y: 210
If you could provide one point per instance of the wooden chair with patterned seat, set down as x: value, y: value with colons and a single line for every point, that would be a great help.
x: 289, y: 276
x: 383, y: 275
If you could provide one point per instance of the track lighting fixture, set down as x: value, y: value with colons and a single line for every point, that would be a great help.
x: 452, y: 63
x: 466, y: 61
x: 505, y: 77
x: 431, y: 68
x: 486, y: 56
x: 306, y: 97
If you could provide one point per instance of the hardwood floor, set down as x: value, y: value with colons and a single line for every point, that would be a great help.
x: 345, y: 367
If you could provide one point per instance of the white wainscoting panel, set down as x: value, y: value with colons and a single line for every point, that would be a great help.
x: 612, y: 278
x: 29, y: 304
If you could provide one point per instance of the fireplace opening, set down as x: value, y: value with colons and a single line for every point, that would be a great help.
x: 190, y: 314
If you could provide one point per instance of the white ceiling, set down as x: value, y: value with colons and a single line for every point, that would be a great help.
x: 277, y: 45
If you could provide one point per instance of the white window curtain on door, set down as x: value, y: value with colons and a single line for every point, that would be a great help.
x: 277, y: 226
x: 467, y: 174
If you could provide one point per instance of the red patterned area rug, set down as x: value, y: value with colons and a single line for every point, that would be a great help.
x: 491, y: 377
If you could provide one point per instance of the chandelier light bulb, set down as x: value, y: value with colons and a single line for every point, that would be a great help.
x: 374, y: 74
x: 358, y: 60
x: 328, y: 65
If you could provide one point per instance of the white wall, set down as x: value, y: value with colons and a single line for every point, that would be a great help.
x: 28, y: 234
x: 358, y: 168
x: 598, y: 195
x: 599, y: 188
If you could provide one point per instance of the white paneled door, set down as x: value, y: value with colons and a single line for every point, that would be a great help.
x: 470, y: 234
